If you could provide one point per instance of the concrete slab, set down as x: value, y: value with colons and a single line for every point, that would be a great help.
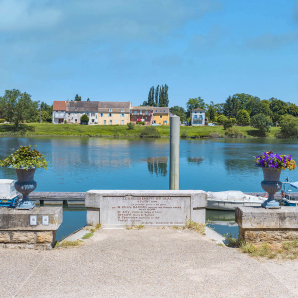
x: 211, y: 234
x: 77, y: 235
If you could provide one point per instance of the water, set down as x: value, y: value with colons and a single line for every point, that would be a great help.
x: 82, y: 164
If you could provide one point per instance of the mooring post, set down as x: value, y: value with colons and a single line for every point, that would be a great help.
x: 174, y: 152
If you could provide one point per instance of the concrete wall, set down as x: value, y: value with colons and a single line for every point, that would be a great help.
x: 120, y: 208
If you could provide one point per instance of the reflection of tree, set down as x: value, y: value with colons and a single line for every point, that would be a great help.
x: 196, y: 160
x: 238, y: 165
x: 158, y: 165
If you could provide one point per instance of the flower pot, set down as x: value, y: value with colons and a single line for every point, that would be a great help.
x: 271, y: 185
x: 25, y: 185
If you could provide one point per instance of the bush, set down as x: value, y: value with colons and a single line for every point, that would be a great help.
x: 130, y: 126
x: 65, y: 121
x: 141, y: 123
x: 150, y: 132
x: 184, y: 134
x: 261, y: 122
x: 228, y: 123
x: 85, y: 118
x: 215, y: 135
x: 221, y: 119
x: 233, y: 120
x: 288, y: 127
x: 243, y: 117
x: 2, y: 120
x: 233, y: 132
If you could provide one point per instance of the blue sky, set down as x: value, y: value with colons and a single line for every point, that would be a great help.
x: 115, y: 50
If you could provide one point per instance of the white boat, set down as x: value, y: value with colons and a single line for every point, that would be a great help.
x: 229, y: 200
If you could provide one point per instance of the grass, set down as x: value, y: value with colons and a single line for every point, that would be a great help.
x: 87, y: 236
x: 139, y: 227
x: 68, y: 243
x: 72, y: 130
x: 191, y: 225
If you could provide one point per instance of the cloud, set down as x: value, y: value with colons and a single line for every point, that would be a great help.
x: 16, y: 15
x: 272, y: 41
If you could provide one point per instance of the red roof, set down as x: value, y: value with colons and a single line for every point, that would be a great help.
x: 59, y: 106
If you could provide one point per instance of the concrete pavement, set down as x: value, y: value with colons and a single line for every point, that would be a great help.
x: 150, y: 262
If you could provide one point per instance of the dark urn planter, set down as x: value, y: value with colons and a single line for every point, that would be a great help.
x: 25, y: 185
x: 271, y: 185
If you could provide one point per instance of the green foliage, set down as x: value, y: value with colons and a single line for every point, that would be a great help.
x: 25, y: 158
x: 211, y: 112
x: 194, y: 103
x: 179, y: 111
x: 130, y: 126
x: 87, y: 236
x: 228, y: 123
x: 2, y: 120
x: 233, y: 132
x: 160, y: 98
x: 288, y: 127
x: 150, y: 132
x: 84, y: 118
x: 234, y: 120
x: 261, y: 122
x: 231, y: 107
x: 221, y: 119
x: 17, y: 107
x: 184, y: 134
x: 78, y: 98
x: 243, y: 117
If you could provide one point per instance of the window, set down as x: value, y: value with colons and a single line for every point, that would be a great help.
x: 93, y: 114
x: 160, y: 116
x: 122, y: 115
x: 116, y: 121
x: 92, y: 120
x: 110, y: 114
x: 165, y: 122
x: 122, y: 122
x: 146, y: 112
x: 111, y: 122
x: 68, y: 114
x: 135, y: 112
x: 140, y: 112
x: 201, y: 117
x: 105, y: 122
x: 135, y: 117
x: 156, y: 111
x: 164, y: 111
x: 96, y: 116
x: 122, y: 110
x: 101, y: 114
x: 195, y: 117
x: 110, y: 110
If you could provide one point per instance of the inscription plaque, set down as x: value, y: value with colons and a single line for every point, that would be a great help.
x: 133, y: 210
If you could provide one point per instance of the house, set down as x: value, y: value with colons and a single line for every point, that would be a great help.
x: 76, y: 109
x: 113, y: 113
x: 198, y: 117
x: 59, y: 112
x: 161, y: 115
x: 142, y: 114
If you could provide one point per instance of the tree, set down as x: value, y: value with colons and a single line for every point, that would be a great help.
x: 18, y: 107
x: 278, y: 108
x: 84, y: 118
x: 166, y: 96
x: 293, y: 110
x: 261, y: 122
x: 77, y: 98
x: 161, y: 96
x: 288, y: 126
x: 221, y: 119
x: 231, y: 107
x: 228, y: 123
x: 194, y: 103
x: 157, y: 96
x: 211, y: 113
x: 243, y: 117
x: 179, y: 111
x: 88, y: 99
x: 150, y: 101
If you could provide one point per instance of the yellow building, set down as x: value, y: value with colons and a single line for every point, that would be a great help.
x: 113, y: 113
x: 161, y: 115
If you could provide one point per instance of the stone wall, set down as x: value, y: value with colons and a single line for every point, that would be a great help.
x: 17, y: 230
x: 258, y: 224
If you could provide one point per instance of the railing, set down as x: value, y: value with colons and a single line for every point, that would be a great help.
x: 59, y: 115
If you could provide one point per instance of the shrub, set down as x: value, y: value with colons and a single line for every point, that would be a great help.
x: 85, y: 118
x: 141, y: 123
x: 288, y: 127
x: 65, y: 121
x: 184, y: 134
x: 243, y: 117
x: 233, y: 120
x: 261, y: 122
x: 215, y: 135
x: 221, y: 119
x: 2, y: 120
x: 233, y: 132
x: 150, y: 132
x: 130, y: 126
x: 228, y: 123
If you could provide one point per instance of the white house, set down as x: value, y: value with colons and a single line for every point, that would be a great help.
x: 59, y: 111
x: 198, y: 117
x: 76, y: 109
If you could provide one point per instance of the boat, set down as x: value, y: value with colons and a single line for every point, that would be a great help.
x: 229, y: 200
x: 288, y: 197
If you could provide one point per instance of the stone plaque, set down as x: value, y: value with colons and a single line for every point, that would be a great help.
x: 133, y: 210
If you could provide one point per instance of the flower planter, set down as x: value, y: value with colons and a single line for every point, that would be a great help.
x: 271, y: 185
x: 25, y: 185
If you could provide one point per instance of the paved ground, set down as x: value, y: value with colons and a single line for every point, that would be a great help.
x: 144, y: 263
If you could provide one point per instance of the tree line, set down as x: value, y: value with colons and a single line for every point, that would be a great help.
x: 158, y: 97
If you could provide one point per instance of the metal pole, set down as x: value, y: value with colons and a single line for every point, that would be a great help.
x: 174, y: 152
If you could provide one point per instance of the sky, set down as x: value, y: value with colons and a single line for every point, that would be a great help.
x: 115, y: 50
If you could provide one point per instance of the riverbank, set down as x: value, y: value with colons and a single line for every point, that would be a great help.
x: 76, y: 130
x: 150, y: 262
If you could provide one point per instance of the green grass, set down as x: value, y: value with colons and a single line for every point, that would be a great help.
x: 47, y: 129
x: 87, y: 236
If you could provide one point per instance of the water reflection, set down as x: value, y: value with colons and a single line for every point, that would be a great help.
x: 195, y: 161
x: 158, y: 165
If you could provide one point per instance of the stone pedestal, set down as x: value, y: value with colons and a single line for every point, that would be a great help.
x: 121, y: 208
x: 257, y: 224
x: 33, y: 229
